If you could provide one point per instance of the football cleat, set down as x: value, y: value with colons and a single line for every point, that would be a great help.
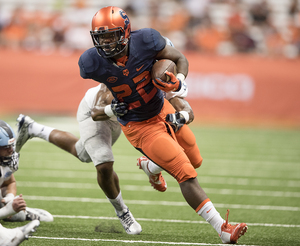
x: 231, y: 233
x: 39, y: 214
x: 156, y: 180
x: 31, y: 216
x: 23, y: 134
x: 13, y: 237
x: 129, y: 223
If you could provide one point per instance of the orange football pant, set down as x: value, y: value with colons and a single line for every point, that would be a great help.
x: 178, y: 153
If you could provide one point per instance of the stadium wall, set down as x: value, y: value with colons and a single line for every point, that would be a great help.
x: 241, y: 89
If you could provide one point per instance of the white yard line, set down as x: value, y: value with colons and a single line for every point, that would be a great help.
x: 172, y: 221
x: 162, y: 203
x: 238, y: 192
x: 83, y: 172
x: 131, y: 241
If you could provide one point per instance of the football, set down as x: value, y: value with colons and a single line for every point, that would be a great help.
x: 160, y: 67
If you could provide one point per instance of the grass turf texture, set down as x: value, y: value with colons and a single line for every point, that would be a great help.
x: 253, y: 172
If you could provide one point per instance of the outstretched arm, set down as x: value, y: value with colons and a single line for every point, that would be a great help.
x: 176, y: 56
x: 181, y: 104
x: 177, y: 81
x: 183, y: 115
x: 9, y: 189
x: 105, y: 106
x: 103, y: 98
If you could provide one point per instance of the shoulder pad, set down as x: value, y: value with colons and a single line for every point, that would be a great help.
x: 153, y: 39
x: 88, y: 62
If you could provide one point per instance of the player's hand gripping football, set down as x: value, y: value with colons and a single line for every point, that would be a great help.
x: 176, y: 120
x: 173, y: 84
x: 119, y: 108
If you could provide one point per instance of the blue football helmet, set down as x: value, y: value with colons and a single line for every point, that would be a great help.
x: 7, y: 140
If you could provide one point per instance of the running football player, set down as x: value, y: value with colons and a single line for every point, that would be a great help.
x: 122, y: 60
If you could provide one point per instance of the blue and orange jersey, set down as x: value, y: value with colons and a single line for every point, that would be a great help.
x: 132, y: 83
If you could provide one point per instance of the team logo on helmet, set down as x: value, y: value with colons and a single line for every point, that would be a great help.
x: 126, y: 19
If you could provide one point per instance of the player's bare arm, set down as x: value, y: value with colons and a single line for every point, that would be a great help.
x: 176, y: 56
x: 103, y: 98
x: 9, y: 186
x: 181, y: 104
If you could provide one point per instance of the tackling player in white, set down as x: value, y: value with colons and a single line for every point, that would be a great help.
x: 94, y: 145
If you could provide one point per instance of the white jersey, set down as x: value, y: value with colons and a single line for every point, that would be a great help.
x: 9, y: 168
x: 90, y: 95
x: 96, y: 137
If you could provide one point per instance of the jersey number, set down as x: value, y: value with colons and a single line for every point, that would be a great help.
x: 124, y: 90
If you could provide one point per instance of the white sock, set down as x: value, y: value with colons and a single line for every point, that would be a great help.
x: 212, y: 216
x: 37, y: 130
x: 18, y: 217
x: 153, y: 168
x: 118, y: 204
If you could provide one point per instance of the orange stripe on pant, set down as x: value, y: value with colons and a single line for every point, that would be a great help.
x: 153, y: 138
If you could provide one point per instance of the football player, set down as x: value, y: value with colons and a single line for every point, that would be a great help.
x: 94, y: 145
x: 122, y: 60
x: 12, y: 207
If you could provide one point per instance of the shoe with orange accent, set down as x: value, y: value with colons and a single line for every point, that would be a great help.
x: 156, y: 180
x: 231, y: 233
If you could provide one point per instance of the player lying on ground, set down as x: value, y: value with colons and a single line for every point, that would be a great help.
x: 15, y: 236
x: 12, y: 207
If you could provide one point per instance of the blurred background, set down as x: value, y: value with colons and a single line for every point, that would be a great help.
x: 244, y: 55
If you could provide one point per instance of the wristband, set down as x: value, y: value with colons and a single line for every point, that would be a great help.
x: 185, y: 115
x: 108, y: 111
x: 9, y: 196
x: 7, y: 210
x: 180, y: 76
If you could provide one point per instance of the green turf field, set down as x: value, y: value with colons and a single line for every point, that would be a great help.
x: 253, y: 172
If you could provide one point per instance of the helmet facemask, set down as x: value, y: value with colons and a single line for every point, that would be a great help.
x: 11, y: 161
x: 109, y: 42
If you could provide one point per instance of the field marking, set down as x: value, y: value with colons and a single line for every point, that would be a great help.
x: 131, y: 241
x: 172, y: 221
x: 164, y: 203
x: 91, y: 174
x: 237, y: 192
